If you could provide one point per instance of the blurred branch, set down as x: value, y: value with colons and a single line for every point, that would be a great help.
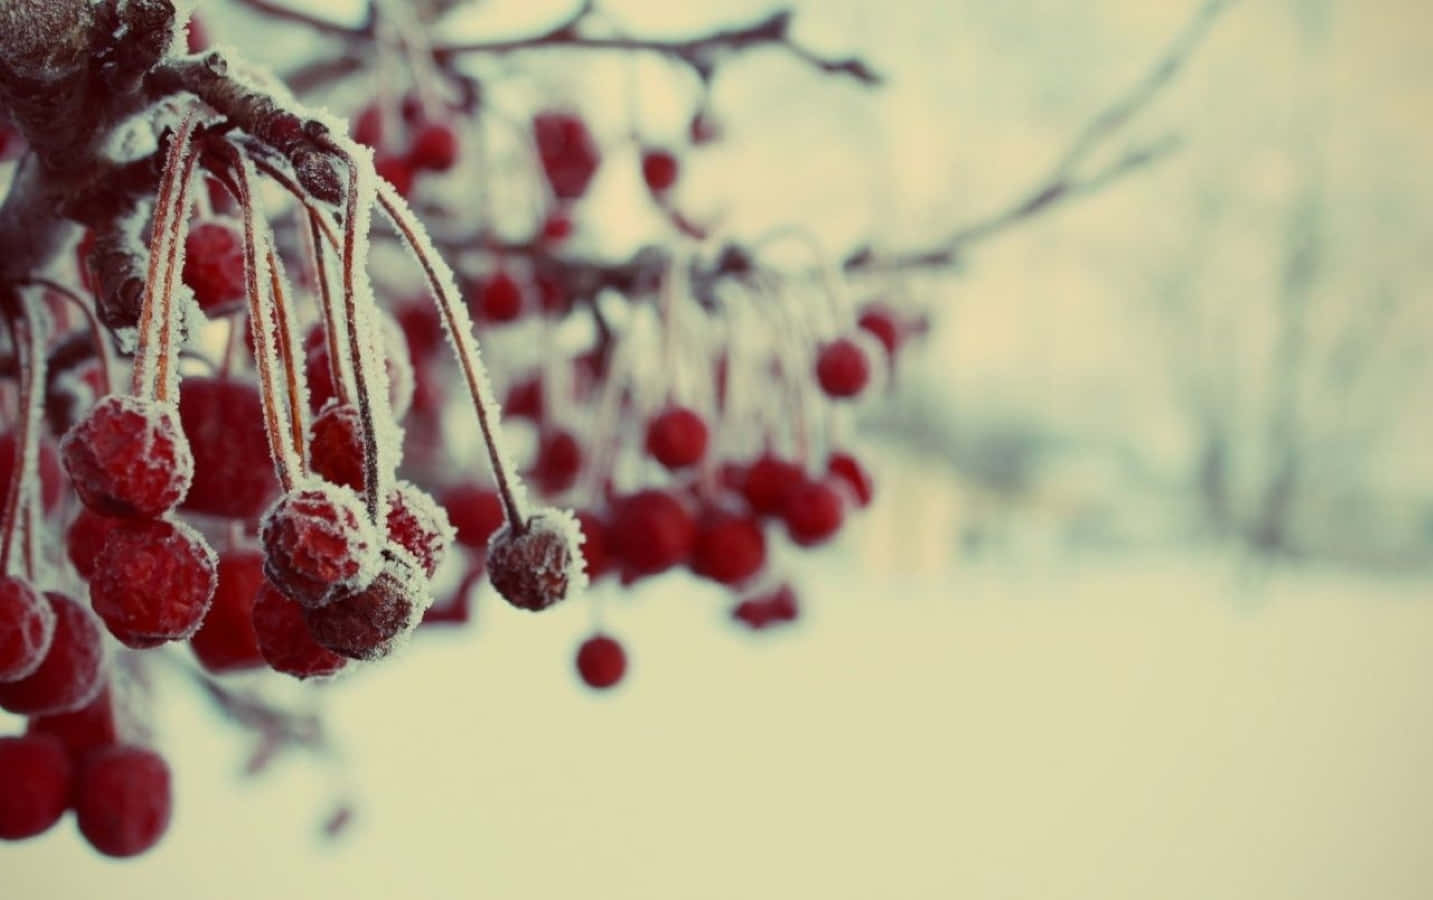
x: 282, y: 11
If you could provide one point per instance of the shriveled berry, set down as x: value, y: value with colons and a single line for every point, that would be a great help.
x: 849, y: 472
x: 538, y: 567
x: 71, y: 673
x: 52, y: 477
x: 318, y: 542
x: 435, y: 148
x: 498, y: 298
x: 336, y: 445
x: 813, y: 513
x: 558, y: 463
x: 729, y: 549
x: 223, y: 419
x: 651, y: 532
x: 476, y: 512
x: 601, y: 661
x: 214, y: 266
x: 284, y: 637
x: 35, y: 783
x: 27, y: 626
x: 659, y: 170
x: 567, y: 151
x: 122, y: 799
x: 767, y: 483
x: 226, y: 642
x: 598, y: 561
x: 765, y: 610
x: 92, y: 725
x: 418, y: 525
x: 677, y: 437
x: 367, y: 624
x: 153, y: 582
x: 85, y: 539
x: 129, y: 457
x: 842, y: 368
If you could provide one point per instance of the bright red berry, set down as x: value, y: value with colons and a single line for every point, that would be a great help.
x: 558, y: 463
x: 765, y: 610
x: 397, y: 171
x: 226, y: 642
x: 336, y: 445
x: 651, y: 532
x: 597, y: 558
x: 476, y: 512
x: 729, y: 549
x: 214, y: 267
x: 419, y: 525
x: 122, y: 799
x: 318, y: 542
x: 35, y: 785
x: 813, y: 513
x: 128, y: 457
x: 85, y: 539
x: 659, y: 170
x: 368, y: 126
x: 677, y: 437
x: 842, y: 368
x: 284, y: 637
x: 92, y: 725
x: 534, y: 569
x: 435, y: 148
x: 524, y: 400
x: 767, y: 483
x: 27, y: 626
x: 223, y: 420
x: 601, y: 661
x: 153, y: 582
x: 849, y: 471
x: 499, y: 298
x: 71, y: 673
x: 567, y: 151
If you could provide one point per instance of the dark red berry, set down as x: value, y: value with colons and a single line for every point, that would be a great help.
x: 396, y: 364
x: 435, y: 148
x: 153, y: 582
x: 92, y: 725
x: 128, y: 457
x: 476, y: 512
x: 880, y: 322
x: 226, y: 642
x: 122, y: 799
x: 318, y: 542
x: 534, y: 569
x: 729, y: 549
x: 559, y: 461
x: 677, y: 437
x: 52, y: 476
x: 842, y: 368
x: 418, y: 525
x: 27, y: 626
x: 422, y: 327
x: 499, y: 298
x: 223, y: 419
x: 651, y: 532
x: 214, y: 267
x: 367, y: 624
x: 284, y: 637
x: 71, y: 673
x: 813, y: 513
x: 567, y: 151
x: 601, y: 661
x: 848, y: 470
x: 767, y: 483
x: 552, y: 296
x: 336, y: 445
x: 368, y: 126
x: 659, y: 170
x: 594, y: 545
x: 85, y: 539
x: 557, y: 227
x: 35, y: 784
x: 765, y: 610
x: 397, y: 171
x: 524, y: 400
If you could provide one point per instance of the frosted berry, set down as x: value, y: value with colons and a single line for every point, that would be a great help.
x: 498, y: 298
x: 284, y: 638
x: 813, y: 513
x: 765, y: 610
x: 72, y: 672
x: 92, y: 725
x: 597, y: 559
x: 435, y: 148
x: 881, y: 323
x: 729, y: 549
x: 651, y: 532
x: 559, y: 461
x: 601, y: 661
x: 214, y: 267
x: 567, y: 151
x: 418, y: 525
x: 128, y: 457
x: 52, y: 477
x: 226, y: 642
x: 842, y: 368
x: 677, y: 437
x: 336, y: 445
x: 85, y: 539
x: 223, y: 420
x: 27, y: 626
x: 768, y: 482
x: 848, y: 471
x: 318, y: 542
x: 122, y: 799
x: 535, y: 569
x: 367, y: 624
x: 153, y: 582
x: 476, y: 512
x: 659, y: 170
x: 35, y: 784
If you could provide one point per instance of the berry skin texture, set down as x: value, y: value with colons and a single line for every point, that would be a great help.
x: 85, y: 539
x: 418, y: 525
x: 729, y: 549
x: 435, y: 148
x: 534, y: 569
x: 367, y: 624
x: 318, y: 542
x: 214, y: 267
x: 601, y: 662
x: 559, y: 462
x: 71, y: 674
x: 848, y: 470
x: 651, y: 532
x: 35, y: 783
x: 659, y: 170
x: 677, y: 437
x: 153, y: 582
x: 336, y: 445
x: 27, y: 626
x: 226, y: 642
x: 499, y: 298
x: 813, y: 513
x: 122, y: 799
x: 129, y: 457
x: 567, y: 151
x: 842, y: 369
x: 476, y: 512
x: 284, y: 638
x: 223, y: 420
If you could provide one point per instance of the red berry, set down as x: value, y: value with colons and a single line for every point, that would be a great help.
x: 422, y: 327
x: 284, y: 637
x: 223, y: 419
x: 552, y: 297
x: 881, y: 323
x: 557, y: 227
x: 601, y: 661
x: 419, y: 525
x: 842, y: 368
x: 52, y: 477
x: 71, y: 673
x: 659, y: 170
x: 534, y: 569
x: 813, y: 513
x: 85, y: 539
x: 651, y: 532
x: 197, y: 36
x: 396, y: 364
x: 318, y: 543
x: 729, y: 549
x: 476, y: 512
x: 153, y: 582
x: 397, y: 171
x: 368, y: 126
x: 35, y: 784
x: 92, y: 725
x: 226, y: 642
x: 336, y: 445
x: 767, y: 609
x: 128, y: 457
x: 27, y: 626
x: 214, y: 267
x: 849, y: 471
x: 567, y: 151
x: 598, y: 561
x: 767, y: 483
x: 435, y: 148
x: 677, y: 437
x: 499, y: 298
x: 524, y: 400
x: 559, y: 461
x: 122, y: 799
x: 367, y: 624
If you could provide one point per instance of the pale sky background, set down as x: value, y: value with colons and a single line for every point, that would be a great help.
x: 1157, y: 723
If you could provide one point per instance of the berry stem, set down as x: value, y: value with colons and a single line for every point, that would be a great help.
x: 283, y: 321
x: 97, y: 333
x: 26, y: 334
x: 333, y: 325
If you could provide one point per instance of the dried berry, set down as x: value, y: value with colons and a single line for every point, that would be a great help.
x: 498, y: 298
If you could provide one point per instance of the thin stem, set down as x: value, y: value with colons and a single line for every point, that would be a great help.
x: 333, y: 325
x: 97, y: 333
x: 30, y: 355
x: 283, y: 321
